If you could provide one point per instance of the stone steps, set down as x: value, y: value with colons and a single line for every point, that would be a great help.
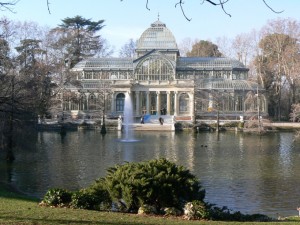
x: 152, y: 127
x: 154, y: 119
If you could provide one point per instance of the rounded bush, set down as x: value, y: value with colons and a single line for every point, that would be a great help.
x: 159, y: 183
x: 83, y: 200
x: 196, y: 210
x: 57, y: 197
x: 97, y: 196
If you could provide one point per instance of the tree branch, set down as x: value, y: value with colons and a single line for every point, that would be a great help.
x: 222, y: 5
x: 213, y: 2
x: 180, y: 3
x: 7, y: 5
x: 147, y: 5
x: 210, y: 2
x: 48, y: 6
x: 272, y: 8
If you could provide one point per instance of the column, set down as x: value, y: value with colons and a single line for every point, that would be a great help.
x: 148, y: 102
x: 158, y: 103
x: 87, y: 95
x: 168, y: 102
x: 112, y: 107
x: 210, y: 101
x: 137, y: 103
x: 192, y: 105
x: 105, y: 102
x: 175, y: 103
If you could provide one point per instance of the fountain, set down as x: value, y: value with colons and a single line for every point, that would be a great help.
x: 128, y: 121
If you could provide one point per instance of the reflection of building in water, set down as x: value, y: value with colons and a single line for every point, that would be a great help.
x: 285, y: 151
x: 161, y: 82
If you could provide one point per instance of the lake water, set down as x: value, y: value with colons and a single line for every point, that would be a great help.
x: 247, y: 173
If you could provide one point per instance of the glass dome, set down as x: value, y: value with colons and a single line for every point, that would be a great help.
x: 158, y: 36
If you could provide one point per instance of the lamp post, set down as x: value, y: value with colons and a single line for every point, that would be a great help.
x: 258, y: 110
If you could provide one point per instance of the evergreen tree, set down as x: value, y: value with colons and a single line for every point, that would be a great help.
x: 204, y: 49
x: 77, y: 36
x: 34, y: 75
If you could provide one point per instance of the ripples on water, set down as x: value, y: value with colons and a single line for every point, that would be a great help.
x: 245, y: 172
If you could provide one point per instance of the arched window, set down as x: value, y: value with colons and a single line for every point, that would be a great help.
x: 92, y: 102
x: 82, y: 102
x: 184, y: 103
x: 154, y: 68
x: 239, y: 103
x: 120, y: 100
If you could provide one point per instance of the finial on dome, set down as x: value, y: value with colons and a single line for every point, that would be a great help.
x: 158, y: 23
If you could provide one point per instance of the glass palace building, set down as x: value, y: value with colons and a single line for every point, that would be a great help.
x: 161, y: 82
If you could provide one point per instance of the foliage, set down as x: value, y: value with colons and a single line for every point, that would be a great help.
x: 77, y: 37
x: 85, y: 199
x: 147, y: 209
x: 232, y: 124
x: 204, y: 49
x: 295, y: 114
x: 150, y: 187
x: 159, y: 183
x: 224, y: 214
x: 17, y: 210
x: 196, y: 210
x: 172, y: 211
x: 101, y: 195
x: 34, y: 74
x: 57, y: 197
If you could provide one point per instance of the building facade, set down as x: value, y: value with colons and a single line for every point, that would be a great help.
x: 161, y: 82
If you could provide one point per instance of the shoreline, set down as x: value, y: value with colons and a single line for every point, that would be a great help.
x: 10, y: 190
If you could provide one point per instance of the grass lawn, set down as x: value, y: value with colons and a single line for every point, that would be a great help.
x: 17, y: 209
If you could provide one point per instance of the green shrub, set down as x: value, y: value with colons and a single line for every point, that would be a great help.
x: 147, y: 209
x: 102, y: 199
x: 158, y: 183
x: 231, y: 124
x: 224, y: 214
x: 241, y: 124
x: 57, y: 197
x: 83, y: 200
x: 96, y: 197
x: 196, y: 210
x: 172, y: 211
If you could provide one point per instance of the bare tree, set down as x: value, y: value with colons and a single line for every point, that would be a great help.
x: 128, y: 49
x: 186, y: 45
x: 243, y: 47
x: 295, y: 113
x: 277, y: 63
x: 225, y: 46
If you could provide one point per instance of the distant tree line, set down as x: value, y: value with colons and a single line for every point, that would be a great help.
x: 271, y: 54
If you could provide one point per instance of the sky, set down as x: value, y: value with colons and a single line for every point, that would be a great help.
x: 129, y: 18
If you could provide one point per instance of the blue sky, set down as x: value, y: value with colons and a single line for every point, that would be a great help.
x: 129, y: 18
